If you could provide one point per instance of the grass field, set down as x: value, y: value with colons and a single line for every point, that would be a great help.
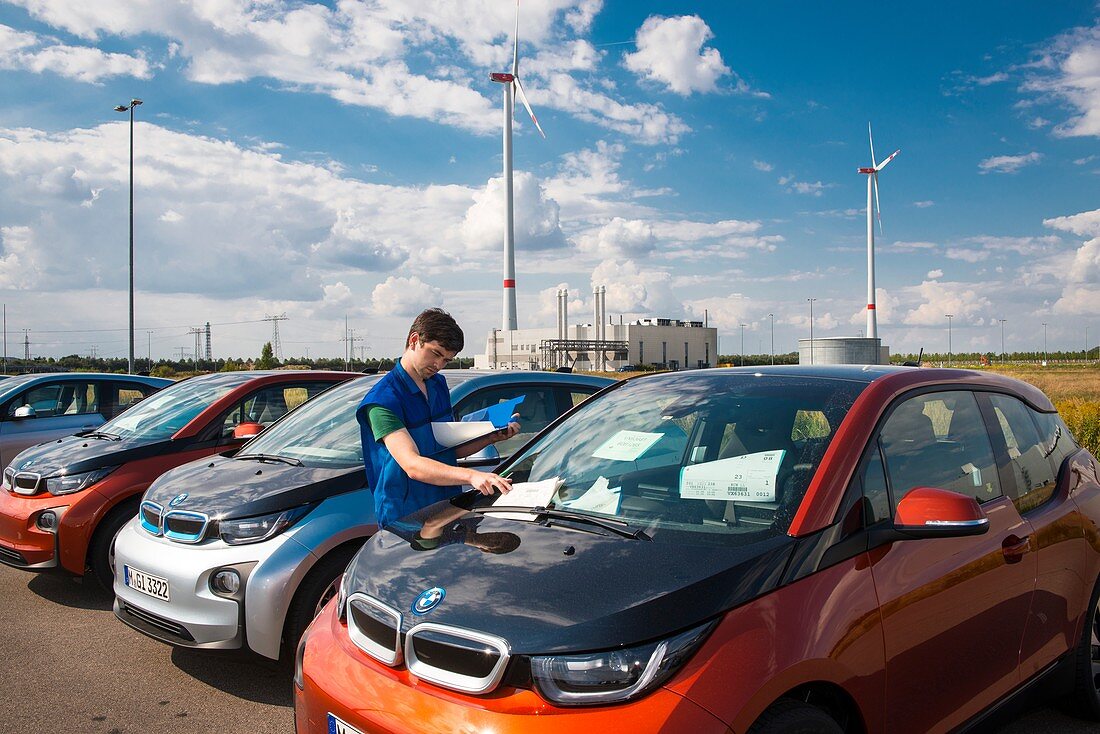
x: 1074, y: 390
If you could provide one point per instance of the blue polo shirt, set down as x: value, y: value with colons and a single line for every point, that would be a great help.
x: 395, y: 493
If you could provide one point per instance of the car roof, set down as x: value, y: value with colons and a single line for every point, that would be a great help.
x: 19, y: 382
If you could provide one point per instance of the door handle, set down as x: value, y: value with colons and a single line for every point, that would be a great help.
x: 1014, y: 548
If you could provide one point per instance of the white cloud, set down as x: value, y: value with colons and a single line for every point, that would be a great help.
x: 1008, y: 163
x: 935, y: 298
x: 1069, y: 72
x: 399, y: 296
x: 923, y: 204
x: 31, y: 52
x: 966, y: 255
x: 170, y: 216
x: 935, y: 274
x: 670, y: 52
x: 635, y: 290
x: 19, y: 262
x: 803, y: 187
x: 762, y: 166
x: 536, y: 216
x: 1084, y: 224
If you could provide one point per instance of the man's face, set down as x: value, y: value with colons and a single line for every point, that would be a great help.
x: 428, y: 357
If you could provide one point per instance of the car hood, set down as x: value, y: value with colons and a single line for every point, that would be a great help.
x: 224, y: 487
x: 559, y: 589
x: 75, y: 454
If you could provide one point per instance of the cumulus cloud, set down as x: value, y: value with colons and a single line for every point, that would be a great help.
x: 935, y: 298
x: 1008, y: 163
x: 1084, y: 224
x: 35, y: 53
x: 364, y: 54
x: 670, y: 52
x: 1068, y: 71
x: 762, y: 166
x: 536, y: 216
x: 935, y: 274
x: 636, y: 290
x: 19, y: 265
x: 805, y: 188
x: 398, y: 296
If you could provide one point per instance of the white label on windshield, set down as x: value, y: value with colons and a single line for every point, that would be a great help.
x: 527, y: 494
x: 599, y: 498
x: 626, y: 445
x: 748, y: 478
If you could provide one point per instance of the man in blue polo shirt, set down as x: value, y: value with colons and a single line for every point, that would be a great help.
x: 407, y: 469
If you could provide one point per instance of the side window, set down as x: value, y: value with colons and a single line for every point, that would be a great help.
x: 876, y: 505
x: 1058, y: 442
x: 269, y: 404
x: 537, y: 410
x: 67, y: 398
x: 119, y: 396
x: 576, y: 397
x: 939, y: 440
x: 1034, y: 476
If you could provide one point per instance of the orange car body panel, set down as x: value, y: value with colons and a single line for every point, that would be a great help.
x: 344, y: 680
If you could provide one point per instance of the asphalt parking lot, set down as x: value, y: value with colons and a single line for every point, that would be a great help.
x: 69, y: 666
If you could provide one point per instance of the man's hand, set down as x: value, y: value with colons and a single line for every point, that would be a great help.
x: 487, y: 482
x: 507, y: 432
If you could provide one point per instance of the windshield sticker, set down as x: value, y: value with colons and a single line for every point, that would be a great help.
x: 527, y: 494
x: 627, y: 445
x: 599, y: 498
x: 748, y: 478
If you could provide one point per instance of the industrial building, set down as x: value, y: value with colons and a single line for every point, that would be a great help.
x: 601, y: 345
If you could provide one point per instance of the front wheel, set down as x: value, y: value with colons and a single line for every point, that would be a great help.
x: 788, y: 716
x: 1085, y: 699
x: 318, y: 587
x: 101, y: 551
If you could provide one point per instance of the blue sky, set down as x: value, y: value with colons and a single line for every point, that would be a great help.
x: 343, y: 159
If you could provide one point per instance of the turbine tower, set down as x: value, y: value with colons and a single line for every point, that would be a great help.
x: 872, y: 183
x: 512, y: 87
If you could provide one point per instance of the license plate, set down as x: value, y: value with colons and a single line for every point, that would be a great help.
x: 336, y: 726
x: 146, y: 584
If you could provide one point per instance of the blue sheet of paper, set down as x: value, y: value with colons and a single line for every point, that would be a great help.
x: 499, y: 415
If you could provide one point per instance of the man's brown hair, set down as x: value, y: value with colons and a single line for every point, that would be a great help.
x: 436, y: 325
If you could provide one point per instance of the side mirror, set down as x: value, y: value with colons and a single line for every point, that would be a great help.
x: 245, y: 431
x: 488, y: 456
x: 928, y: 512
x: 24, y: 411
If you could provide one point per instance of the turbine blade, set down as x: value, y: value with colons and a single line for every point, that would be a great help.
x: 515, y: 44
x: 523, y: 98
x: 878, y: 206
x: 872, y: 139
x: 882, y: 165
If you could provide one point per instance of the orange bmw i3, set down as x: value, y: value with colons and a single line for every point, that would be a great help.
x: 771, y: 550
x: 63, y: 502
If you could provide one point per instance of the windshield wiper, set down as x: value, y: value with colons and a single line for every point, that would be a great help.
x: 270, y: 457
x: 619, y: 527
x: 102, y: 434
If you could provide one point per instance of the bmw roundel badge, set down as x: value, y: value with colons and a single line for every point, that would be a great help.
x: 178, y: 500
x: 428, y: 600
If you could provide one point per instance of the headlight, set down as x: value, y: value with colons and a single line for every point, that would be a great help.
x: 255, y: 529
x: 614, y: 675
x: 69, y: 483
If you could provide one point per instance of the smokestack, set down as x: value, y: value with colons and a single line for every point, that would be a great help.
x: 557, y: 312
x: 603, y: 325
x: 565, y: 313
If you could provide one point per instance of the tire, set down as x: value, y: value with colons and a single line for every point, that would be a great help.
x: 101, y: 550
x: 318, y: 587
x: 1085, y: 699
x: 788, y: 716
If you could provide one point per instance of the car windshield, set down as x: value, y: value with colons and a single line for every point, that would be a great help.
x: 159, y: 416
x: 321, y: 433
x: 691, y: 457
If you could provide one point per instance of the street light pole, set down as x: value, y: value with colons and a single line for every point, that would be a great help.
x: 771, y: 321
x: 949, y: 317
x: 1002, y: 339
x: 742, y: 345
x: 130, y: 108
x: 811, y: 300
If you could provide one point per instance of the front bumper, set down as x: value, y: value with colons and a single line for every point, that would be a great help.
x: 22, y: 544
x: 194, y: 616
x: 343, y: 681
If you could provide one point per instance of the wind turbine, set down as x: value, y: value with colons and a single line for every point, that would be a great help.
x: 512, y: 87
x: 872, y: 183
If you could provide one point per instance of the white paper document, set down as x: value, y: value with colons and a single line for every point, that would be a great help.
x: 599, y: 498
x: 458, y: 432
x: 527, y: 494
x: 748, y: 478
x: 626, y: 445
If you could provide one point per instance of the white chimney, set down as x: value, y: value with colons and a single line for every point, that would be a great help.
x: 565, y: 313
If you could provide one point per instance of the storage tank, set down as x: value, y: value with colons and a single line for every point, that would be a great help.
x: 843, y: 350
